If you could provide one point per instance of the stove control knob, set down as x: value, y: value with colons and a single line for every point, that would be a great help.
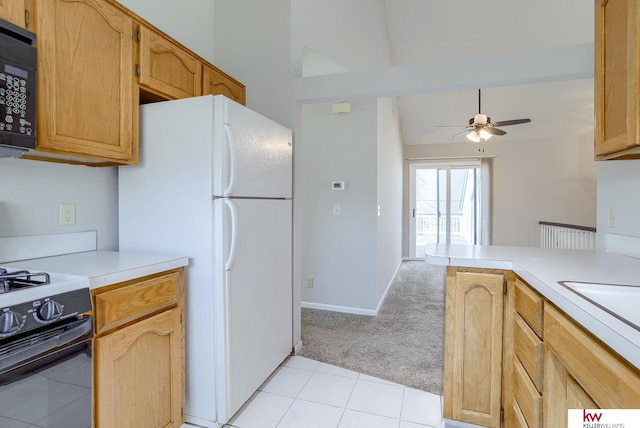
x: 9, y: 322
x: 50, y: 311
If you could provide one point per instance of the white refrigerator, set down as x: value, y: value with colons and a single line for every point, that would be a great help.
x: 214, y: 183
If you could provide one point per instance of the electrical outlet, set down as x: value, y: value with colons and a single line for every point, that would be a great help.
x: 309, y: 282
x: 613, y: 218
x: 67, y: 214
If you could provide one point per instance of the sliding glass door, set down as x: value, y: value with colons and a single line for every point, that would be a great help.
x: 445, y: 204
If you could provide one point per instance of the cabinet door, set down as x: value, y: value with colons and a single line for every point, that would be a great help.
x: 473, y: 347
x: 580, y: 372
x: 215, y: 82
x: 86, y: 101
x: 166, y: 69
x: 617, y: 77
x: 13, y: 11
x: 139, y: 375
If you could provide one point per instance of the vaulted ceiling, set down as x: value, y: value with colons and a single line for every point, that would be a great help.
x: 531, y: 59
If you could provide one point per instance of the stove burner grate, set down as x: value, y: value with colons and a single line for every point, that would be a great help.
x: 11, y: 281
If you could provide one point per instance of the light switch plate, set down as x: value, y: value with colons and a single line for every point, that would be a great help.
x: 613, y: 218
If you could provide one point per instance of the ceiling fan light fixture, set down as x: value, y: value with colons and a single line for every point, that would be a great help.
x: 478, y: 135
x: 484, y: 134
x: 480, y: 119
x: 481, y: 128
x: 473, y: 136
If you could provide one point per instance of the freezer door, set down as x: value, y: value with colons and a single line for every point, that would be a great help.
x: 252, y: 154
x: 255, y: 302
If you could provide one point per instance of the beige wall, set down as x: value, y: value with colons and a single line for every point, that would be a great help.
x: 550, y: 180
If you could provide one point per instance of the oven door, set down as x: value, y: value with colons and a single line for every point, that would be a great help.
x: 45, y: 378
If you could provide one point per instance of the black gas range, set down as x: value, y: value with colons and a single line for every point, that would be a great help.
x: 45, y: 344
x: 30, y: 300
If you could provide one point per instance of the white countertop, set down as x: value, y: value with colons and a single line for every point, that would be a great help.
x: 542, y: 268
x: 105, y: 267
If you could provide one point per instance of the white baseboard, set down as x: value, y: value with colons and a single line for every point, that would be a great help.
x: 350, y: 310
x: 386, y: 291
x: 297, y: 348
x: 193, y: 422
x: 335, y: 308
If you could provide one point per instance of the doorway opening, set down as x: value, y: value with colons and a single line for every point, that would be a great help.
x: 445, y: 206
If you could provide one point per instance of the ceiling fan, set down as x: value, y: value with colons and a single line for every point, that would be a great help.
x: 481, y: 128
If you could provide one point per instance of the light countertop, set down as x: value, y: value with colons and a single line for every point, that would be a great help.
x: 542, y: 268
x: 105, y: 267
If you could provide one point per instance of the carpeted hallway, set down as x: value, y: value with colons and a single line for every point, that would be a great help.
x: 403, y: 344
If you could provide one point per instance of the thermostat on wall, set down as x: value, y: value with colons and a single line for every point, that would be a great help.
x: 337, y: 185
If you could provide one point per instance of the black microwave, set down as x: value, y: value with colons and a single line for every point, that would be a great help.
x: 17, y: 90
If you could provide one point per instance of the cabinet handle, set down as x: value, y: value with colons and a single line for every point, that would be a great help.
x: 137, y: 70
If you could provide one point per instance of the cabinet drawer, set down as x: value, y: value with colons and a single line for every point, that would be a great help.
x: 529, y: 350
x: 518, y: 420
x: 529, y: 305
x: 527, y: 397
x: 119, y: 306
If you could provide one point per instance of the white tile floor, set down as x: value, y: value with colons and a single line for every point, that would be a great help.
x: 304, y: 393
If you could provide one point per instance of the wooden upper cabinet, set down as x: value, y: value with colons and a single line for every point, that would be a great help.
x: 87, y: 102
x: 215, y: 82
x: 13, y: 11
x: 617, y: 78
x: 166, y: 69
x: 97, y: 61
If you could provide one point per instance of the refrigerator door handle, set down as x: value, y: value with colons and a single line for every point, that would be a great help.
x: 234, y: 227
x: 232, y: 160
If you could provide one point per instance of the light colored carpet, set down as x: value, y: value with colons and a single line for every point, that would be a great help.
x: 403, y: 344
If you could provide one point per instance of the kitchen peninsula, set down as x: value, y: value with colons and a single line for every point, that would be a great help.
x: 520, y: 347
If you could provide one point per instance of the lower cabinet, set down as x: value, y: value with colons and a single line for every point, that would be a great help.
x: 139, y: 353
x: 515, y: 360
x: 473, y: 346
x: 523, y: 368
x: 581, y: 372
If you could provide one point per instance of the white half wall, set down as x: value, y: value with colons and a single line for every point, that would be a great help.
x: 549, y: 180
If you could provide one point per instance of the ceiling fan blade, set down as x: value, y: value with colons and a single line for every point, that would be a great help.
x: 511, y: 122
x: 461, y: 133
x: 494, y: 131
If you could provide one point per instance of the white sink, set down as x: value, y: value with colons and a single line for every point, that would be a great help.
x: 621, y: 301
